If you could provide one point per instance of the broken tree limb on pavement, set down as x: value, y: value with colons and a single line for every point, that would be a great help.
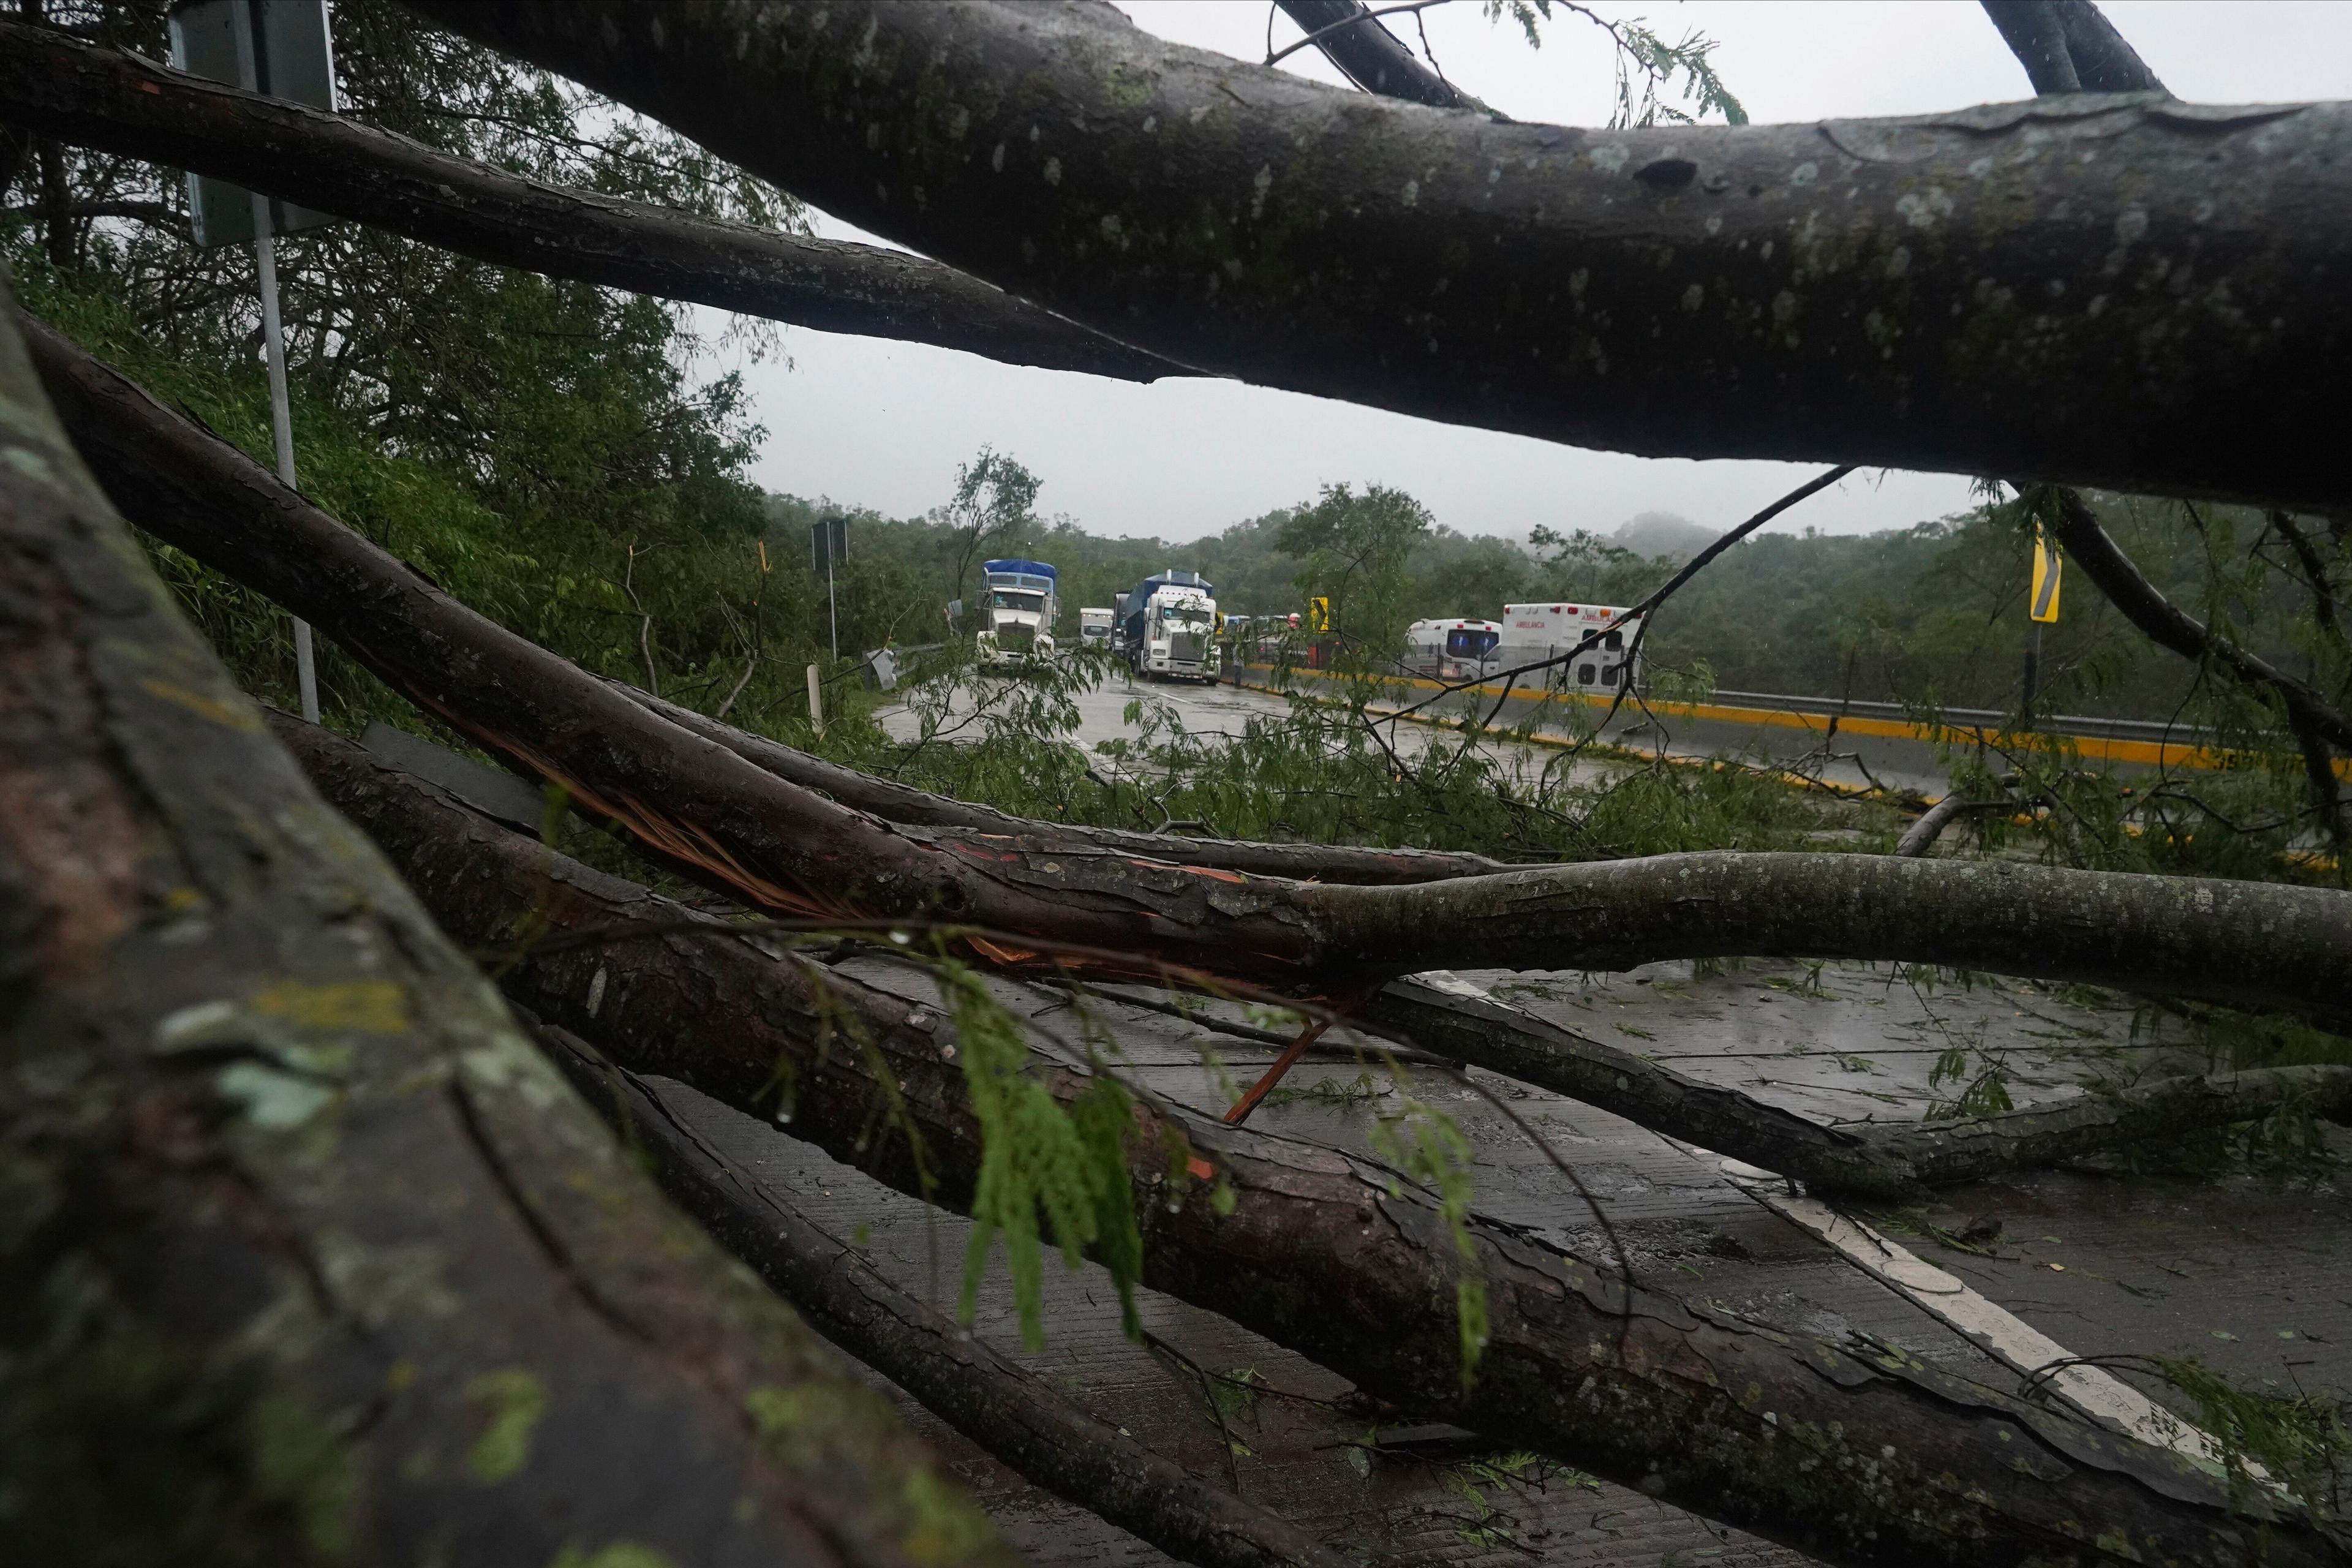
x: 719, y: 819
x: 91, y: 97
x: 1008, y: 1410
x: 309, y: 1256
x: 1865, y: 291
x: 1882, y: 1160
x: 1858, y: 1454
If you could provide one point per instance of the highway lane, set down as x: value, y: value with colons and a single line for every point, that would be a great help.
x: 1866, y: 745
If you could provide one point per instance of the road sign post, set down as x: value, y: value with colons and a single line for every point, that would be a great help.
x: 2040, y: 609
x: 828, y: 544
x: 281, y: 48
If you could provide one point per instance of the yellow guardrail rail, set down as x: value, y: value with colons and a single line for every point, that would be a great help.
x: 2091, y: 748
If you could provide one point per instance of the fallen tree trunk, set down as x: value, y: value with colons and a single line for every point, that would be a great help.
x: 1011, y: 1412
x: 1477, y: 1030
x: 719, y: 819
x: 1861, y: 1454
x: 118, y: 103
x: 1967, y: 1148
x: 1891, y: 1160
x: 1863, y: 291
x: 309, y: 1256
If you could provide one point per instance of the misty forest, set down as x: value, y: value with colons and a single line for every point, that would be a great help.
x: 562, y: 1006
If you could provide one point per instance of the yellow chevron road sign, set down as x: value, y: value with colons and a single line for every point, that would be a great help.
x: 2046, y: 565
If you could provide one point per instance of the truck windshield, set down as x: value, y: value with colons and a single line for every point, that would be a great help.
x: 1471, y: 642
x: 1187, y: 620
x: 1032, y: 603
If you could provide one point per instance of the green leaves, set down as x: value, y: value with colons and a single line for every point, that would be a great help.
x: 1427, y: 1145
x: 1039, y: 1160
x: 1646, y: 67
x: 1356, y: 547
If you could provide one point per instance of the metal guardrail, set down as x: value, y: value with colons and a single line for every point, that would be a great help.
x: 2152, y: 730
x: 2155, y: 731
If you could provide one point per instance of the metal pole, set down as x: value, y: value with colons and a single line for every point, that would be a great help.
x: 2032, y: 672
x: 832, y: 612
x: 281, y: 420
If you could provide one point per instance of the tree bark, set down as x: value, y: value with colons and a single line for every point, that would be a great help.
x: 1862, y: 1454
x: 2069, y: 46
x: 718, y: 818
x: 1887, y: 1160
x: 2070, y: 43
x: 1368, y: 54
x: 2104, y: 62
x: 1968, y: 1148
x: 2031, y: 30
x: 2030, y: 288
x: 118, y: 103
x: 156, y: 212
x: 1921, y: 835
x: 309, y: 1257
x: 1482, y: 1031
x: 1008, y: 1410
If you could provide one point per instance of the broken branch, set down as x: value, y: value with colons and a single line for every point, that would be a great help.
x: 1675, y: 292
x: 119, y: 103
x: 1318, y: 1251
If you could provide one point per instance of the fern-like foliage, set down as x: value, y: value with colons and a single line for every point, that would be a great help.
x: 1646, y: 67
x: 1427, y: 1145
x: 1039, y: 1158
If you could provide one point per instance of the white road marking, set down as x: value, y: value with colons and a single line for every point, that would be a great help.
x: 2095, y: 1391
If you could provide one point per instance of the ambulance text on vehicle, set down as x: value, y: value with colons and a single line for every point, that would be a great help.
x: 1534, y: 632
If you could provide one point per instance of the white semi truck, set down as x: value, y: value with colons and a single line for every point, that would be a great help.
x: 1017, y: 621
x: 1168, y: 627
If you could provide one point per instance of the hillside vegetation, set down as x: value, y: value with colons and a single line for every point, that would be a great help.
x: 1932, y: 612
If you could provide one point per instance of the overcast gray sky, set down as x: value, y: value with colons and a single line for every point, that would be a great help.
x: 884, y: 424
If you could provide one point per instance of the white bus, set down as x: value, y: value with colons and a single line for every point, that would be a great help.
x: 1452, y: 648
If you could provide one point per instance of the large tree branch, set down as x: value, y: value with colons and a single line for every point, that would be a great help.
x: 159, y: 213
x: 719, y: 819
x: 1864, y: 1455
x: 1368, y: 54
x: 2104, y: 62
x: 2031, y: 30
x: 2069, y: 46
x: 1880, y: 1160
x: 1010, y: 1410
x: 2031, y: 287
x: 2092, y: 548
x: 310, y: 1257
x: 119, y: 103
